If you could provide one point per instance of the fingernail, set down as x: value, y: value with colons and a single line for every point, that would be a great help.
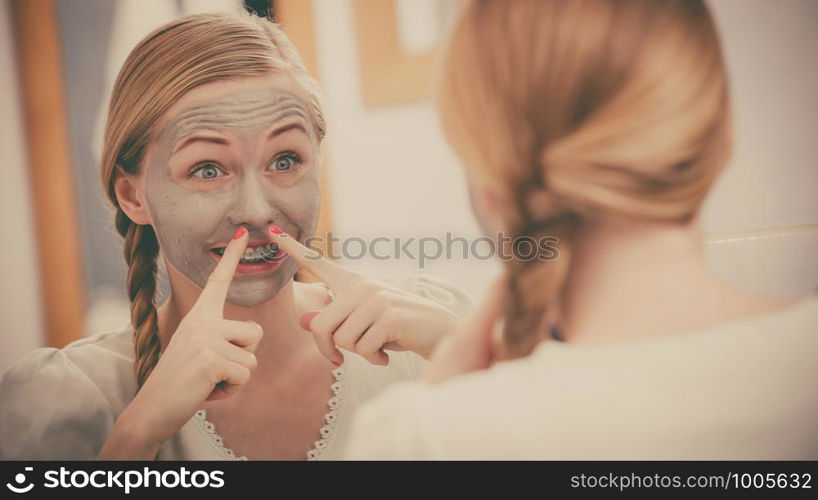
x: 336, y: 363
x: 239, y: 233
x: 275, y: 229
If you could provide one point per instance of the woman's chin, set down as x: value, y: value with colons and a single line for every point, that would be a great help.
x: 250, y: 291
x: 250, y: 298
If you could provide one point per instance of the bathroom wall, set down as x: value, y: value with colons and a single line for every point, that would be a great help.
x: 763, y: 214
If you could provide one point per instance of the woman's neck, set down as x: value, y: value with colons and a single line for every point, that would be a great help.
x: 638, y: 279
x: 284, y: 341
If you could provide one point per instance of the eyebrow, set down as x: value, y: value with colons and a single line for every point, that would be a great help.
x: 199, y: 138
x: 193, y: 138
x: 286, y: 128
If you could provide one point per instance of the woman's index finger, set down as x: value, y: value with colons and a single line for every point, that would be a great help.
x: 335, y: 276
x: 211, y: 300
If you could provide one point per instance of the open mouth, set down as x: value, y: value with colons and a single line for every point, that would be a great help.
x: 255, y: 255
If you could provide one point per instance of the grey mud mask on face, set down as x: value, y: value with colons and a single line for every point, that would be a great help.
x: 189, y: 220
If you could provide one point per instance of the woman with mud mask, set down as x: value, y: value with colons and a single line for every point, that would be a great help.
x: 211, y: 155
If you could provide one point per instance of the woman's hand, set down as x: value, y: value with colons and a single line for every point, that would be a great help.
x: 207, y: 358
x: 367, y: 316
x: 474, y: 346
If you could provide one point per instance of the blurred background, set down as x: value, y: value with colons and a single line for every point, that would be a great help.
x: 387, y: 169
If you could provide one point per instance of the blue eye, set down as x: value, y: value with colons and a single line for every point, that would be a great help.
x: 285, y: 162
x: 207, y: 170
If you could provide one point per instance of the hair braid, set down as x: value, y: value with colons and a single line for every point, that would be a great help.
x: 141, y: 250
x: 535, y: 279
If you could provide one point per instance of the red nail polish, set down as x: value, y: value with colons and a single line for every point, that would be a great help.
x: 239, y: 233
x: 276, y: 230
x: 336, y: 363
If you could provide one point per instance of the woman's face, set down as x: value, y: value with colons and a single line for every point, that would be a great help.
x: 230, y: 154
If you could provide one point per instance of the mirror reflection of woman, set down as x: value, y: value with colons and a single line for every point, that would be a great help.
x: 604, y: 123
x: 213, y: 140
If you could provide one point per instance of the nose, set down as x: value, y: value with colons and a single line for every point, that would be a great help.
x: 251, y: 206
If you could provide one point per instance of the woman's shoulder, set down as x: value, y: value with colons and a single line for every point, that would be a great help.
x: 785, y: 334
x: 800, y: 318
x: 101, y: 353
x: 114, y: 346
x: 101, y: 363
x: 61, y: 403
x: 415, y: 420
x: 775, y: 348
x: 99, y: 356
x: 765, y: 363
x: 117, y: 341
x: 782, y: 334
x: 797, y: 318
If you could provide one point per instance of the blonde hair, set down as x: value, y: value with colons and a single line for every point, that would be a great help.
x: 172, y: 60
x: 570, y: 109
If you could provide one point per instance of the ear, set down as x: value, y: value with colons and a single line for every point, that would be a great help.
x: 491, y: 202
x: 485, y: 203
x: 130, y: 195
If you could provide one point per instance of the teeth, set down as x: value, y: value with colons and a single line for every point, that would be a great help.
x: 271, y: 249
x: 261, y: 252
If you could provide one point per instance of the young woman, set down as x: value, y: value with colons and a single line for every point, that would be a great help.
x: 603, y: 123
x: 213, y: 139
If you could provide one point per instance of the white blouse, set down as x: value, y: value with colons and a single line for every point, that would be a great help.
x: 61, y: 404
x: 746, y: 389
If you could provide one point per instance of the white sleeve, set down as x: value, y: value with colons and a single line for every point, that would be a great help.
x: 389, y: 427
x: 434, y: 288
x: 51, y: 410
x: 441, y: 291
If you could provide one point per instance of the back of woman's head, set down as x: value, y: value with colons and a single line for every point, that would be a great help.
x: 571, y: 110
x: 174, y: 59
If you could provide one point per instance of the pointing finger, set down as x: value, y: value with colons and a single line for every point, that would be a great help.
x: 211, y: 300
x: 335, y: 276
